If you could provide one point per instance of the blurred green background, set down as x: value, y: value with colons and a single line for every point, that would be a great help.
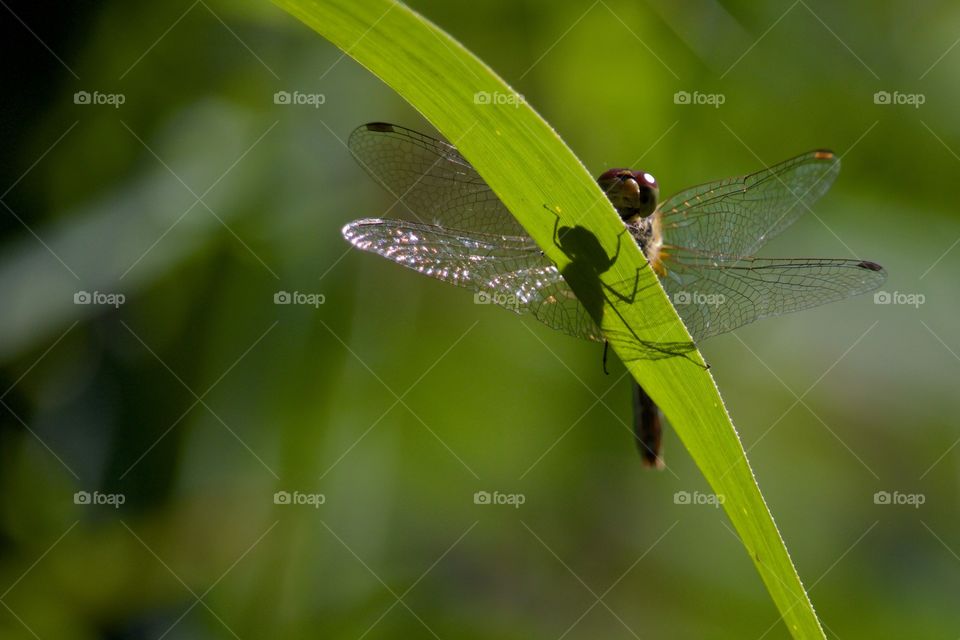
x: 197, y: 399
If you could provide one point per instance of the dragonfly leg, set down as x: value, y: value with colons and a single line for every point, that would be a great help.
x: 627, y: 298
x: 556, y: 226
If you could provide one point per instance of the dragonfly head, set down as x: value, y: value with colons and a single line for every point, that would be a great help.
x: 633, y: 193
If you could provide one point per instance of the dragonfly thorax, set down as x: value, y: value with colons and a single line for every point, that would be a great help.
x: 646, y: 233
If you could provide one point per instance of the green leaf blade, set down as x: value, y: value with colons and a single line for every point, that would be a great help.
x: 528, y: 166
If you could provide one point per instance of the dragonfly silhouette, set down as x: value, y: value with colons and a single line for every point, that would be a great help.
x: 700, y: 242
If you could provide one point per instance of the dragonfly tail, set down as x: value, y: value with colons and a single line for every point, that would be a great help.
x: 647, y: 427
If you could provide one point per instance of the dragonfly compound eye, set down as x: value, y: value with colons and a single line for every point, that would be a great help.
x: 633, y: 193
x: 649, y: 189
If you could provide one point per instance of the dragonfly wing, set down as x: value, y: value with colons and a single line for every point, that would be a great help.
x: 509, y: 271
x: 714, y: 297
x: 733, y: 218
x: 431, y: 178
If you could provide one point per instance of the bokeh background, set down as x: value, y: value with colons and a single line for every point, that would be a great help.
x: 142, y: 444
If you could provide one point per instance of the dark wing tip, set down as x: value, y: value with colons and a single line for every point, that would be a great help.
x: 379, y: 127
x: 870, y: 266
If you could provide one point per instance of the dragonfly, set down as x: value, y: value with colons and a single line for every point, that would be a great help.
x: 701, y: 243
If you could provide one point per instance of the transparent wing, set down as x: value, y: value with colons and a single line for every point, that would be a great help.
x: 715, y: 297
x: 733, y: 218
x: 431, y: 178
x: 509, y: 271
